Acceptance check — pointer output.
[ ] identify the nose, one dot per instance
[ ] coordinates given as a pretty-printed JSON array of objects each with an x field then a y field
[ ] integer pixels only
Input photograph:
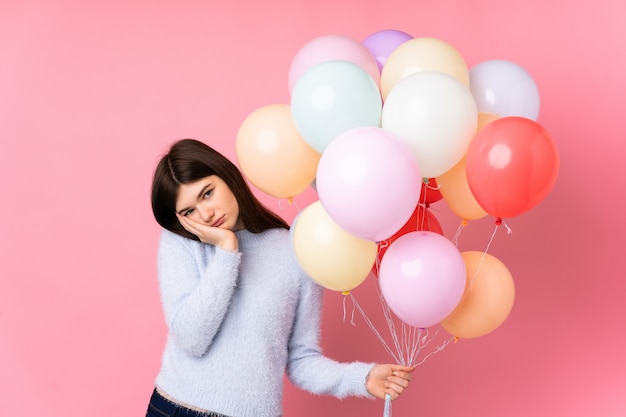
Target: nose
[{"x": 206, "y": 213}]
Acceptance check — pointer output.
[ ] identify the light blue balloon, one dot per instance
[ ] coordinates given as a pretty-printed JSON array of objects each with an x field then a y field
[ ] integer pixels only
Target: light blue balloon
[{"x": 331, "y": 98}]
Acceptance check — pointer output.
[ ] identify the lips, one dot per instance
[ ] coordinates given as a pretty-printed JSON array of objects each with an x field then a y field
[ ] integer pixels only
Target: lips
[{"x": 218, "y": 222}]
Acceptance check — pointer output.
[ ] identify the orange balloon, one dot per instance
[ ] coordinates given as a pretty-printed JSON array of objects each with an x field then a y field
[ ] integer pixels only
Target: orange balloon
[
  {"x": 272, "y": 154},
  {"x": 454, "y": 187},
  {"x": 332, "y": 257},
  {"x": 422, "y": 54},
  {"x": 487, "y": 299}
]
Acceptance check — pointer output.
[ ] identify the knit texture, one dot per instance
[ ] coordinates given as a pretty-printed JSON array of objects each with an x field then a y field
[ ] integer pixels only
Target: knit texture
[{"x": 238, "y": 320}]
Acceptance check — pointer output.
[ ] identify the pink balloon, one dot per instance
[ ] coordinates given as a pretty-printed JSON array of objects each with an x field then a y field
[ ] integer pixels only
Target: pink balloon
[
  {"x": 369, "y": 182},
  {"x": 422, "y": 278},
  {"x": 332, "y": 48},
  {"x": 382, "y": 43}
]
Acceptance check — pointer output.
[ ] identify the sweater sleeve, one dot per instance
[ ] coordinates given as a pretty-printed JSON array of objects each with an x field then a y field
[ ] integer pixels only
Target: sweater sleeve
[
  {"x": 195, "y": 301},
  {"x": 307, "y": 367}
]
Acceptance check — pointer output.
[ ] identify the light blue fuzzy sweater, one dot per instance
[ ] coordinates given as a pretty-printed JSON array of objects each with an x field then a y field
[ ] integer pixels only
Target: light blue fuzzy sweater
[{"x": 237, "y": 321}]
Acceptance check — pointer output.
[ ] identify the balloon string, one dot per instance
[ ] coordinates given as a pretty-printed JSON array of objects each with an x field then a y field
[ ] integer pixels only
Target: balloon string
[
  {"x": 498, "y": 223},
  {"x": 387, "y": 411},
  {"x": 290, "y": 201},
  {"x": 424, "y": 203},
  {"x": 387, "y": 315},
  {"x": 412, "y": 342},
  {"x": 437, "y": 350},
  {"x": 391, "y": 326},
  {"x": 427, "y": 185},
  {"x": 457, "y": 235},
  {"x": 421, "y": 338},
  {"x": 345, "y": 296},
  {"x": 382, "y": 244},
  {"x": 344, "y": 309},
  {"x": 421, "y": 221},
  {"x": 371, "y": 326},
  {"x": 295, "y": 204}
]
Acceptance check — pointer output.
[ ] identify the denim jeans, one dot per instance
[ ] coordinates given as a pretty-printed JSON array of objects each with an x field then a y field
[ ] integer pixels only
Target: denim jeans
[{"x": 162, "y": 407}]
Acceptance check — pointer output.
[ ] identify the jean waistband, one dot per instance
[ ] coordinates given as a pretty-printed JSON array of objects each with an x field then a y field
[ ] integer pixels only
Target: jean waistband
[{"x": 173, "y": 408}]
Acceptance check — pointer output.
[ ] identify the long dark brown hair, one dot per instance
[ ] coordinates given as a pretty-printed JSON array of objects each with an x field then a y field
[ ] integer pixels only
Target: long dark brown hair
[{"x": 189, "y": 160}]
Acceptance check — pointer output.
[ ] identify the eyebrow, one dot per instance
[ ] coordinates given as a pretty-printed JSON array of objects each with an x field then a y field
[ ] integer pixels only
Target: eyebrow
[{"x": 200, "y": 194}]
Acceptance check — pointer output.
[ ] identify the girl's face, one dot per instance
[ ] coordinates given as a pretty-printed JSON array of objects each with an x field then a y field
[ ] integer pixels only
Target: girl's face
[{"x": 209, "y": 201}]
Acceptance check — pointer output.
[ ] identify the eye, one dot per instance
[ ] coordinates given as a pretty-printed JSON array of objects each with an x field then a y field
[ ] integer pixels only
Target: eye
[
  {"x": 187, "y": 212},
  {"x": 208, "y": 193}
]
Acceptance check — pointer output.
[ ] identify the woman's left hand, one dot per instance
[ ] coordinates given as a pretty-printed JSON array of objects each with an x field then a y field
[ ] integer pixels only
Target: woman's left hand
[
  {"x": 224, "y": 238},
  {"x": 389, "y": 379}
]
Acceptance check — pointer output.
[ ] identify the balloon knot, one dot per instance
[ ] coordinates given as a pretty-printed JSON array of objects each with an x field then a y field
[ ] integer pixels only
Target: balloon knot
[
  {"x": 456, "y": 339},
  {"x": 463, "y": 222},
  {"x": 498, "y": 221},
  {"x": 290, "y": 200},
  {"x": 345, "y": 292}
]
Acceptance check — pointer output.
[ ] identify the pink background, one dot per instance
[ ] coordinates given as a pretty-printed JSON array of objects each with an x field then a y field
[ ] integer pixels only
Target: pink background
[{"x": 91, "y": 93}]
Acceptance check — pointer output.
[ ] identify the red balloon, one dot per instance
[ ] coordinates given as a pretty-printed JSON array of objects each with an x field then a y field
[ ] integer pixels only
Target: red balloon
[
  {"x": 512, "y": 165},
  {"x": 430, "y": 194},
  {"x": 421, "y": 219}
]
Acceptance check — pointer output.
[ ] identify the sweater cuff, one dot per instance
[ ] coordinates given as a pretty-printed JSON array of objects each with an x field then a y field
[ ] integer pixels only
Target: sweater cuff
[{"x": 367, "y": 375}]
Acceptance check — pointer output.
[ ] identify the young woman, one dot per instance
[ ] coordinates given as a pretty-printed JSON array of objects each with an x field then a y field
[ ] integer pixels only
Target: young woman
[{"x": 239, "y": 311}]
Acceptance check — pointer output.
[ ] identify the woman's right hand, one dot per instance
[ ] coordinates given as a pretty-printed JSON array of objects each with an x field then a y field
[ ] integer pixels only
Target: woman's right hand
[
  {"x": 222, "y": 238},
  {"x": 388, "y": 379}
]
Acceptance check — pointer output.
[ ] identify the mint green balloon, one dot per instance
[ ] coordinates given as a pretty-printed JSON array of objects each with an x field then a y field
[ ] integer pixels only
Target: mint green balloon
[{"x": 331, "y": 98}]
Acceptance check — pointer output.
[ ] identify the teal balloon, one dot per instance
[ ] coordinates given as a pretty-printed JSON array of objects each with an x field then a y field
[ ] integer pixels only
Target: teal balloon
[{"x": 331, "y": 98}]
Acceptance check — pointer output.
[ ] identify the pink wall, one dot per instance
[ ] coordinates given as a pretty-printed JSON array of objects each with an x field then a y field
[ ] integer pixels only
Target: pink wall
[{"x": 90, "y": 95}]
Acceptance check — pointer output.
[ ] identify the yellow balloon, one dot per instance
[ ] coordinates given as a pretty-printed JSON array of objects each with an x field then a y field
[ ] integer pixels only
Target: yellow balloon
[
  {"x": 487, "y": 299},
  {"x": 272, "y": 154},
  {"x": 422, "y": 54},
  {"x": 454, "y": 187},
  {"x": 332, "y": 257}
]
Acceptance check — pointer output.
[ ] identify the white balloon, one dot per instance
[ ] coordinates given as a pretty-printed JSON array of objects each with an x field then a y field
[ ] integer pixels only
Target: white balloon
[
  {"x": 436, "y": 115},
  {"x": 504, "y": 88}
]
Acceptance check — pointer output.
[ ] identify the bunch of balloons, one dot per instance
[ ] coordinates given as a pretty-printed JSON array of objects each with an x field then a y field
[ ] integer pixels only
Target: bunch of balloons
[{"x": 382, "y": 128}]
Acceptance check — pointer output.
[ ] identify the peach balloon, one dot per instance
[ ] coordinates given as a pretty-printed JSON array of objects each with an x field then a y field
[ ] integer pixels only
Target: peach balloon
[
  {"x": 273, "y": 155},
  {"x": 422, "y": 54},
  {"x": 487, "y": 299},
  {"x": 454, "y": 187},
  {"x": 332, "y": 257}
]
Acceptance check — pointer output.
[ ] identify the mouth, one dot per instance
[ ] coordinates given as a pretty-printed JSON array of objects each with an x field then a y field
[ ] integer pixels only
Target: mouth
[{"x": 218, "y": 222}]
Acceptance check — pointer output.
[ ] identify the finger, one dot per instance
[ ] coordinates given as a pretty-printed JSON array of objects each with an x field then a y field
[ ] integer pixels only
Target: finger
[
  {"x": 188, "y": 224},
  {"x": 398, "y": 388},
  {"x": 393, "y": 392},
  {"x": 399, "y": 381},
  {"x": 404, "y": 375},
  {"x": 390, "y": 392},
  {"x": 402, "y": 368},
  {"x": 185, "y": 226},
  {"x": 186, "y": 221}
]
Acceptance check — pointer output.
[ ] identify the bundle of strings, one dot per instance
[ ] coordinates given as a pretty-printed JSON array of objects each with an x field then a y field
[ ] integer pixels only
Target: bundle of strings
[
  {"x": 387, "y": 412},
  {"x": 408, "y": 342}
]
